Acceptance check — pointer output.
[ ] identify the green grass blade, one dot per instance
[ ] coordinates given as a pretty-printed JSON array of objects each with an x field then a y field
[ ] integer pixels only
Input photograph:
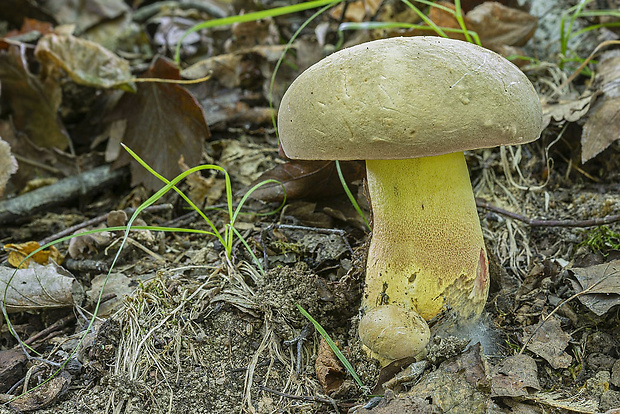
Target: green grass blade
[
  {"x": 334, "y": 348},
  {"x": 350, "y": 195}
]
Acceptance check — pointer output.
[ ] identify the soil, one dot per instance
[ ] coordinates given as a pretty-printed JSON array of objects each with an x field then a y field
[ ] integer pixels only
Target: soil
[{"x": 201, "y": 333}]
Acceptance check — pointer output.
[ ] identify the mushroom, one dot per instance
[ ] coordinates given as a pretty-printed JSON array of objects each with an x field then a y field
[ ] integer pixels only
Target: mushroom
[{"x": 410, "y": 107}]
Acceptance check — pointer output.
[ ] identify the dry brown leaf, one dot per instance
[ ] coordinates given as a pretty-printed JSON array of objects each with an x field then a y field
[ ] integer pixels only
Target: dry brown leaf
[
  {"x": 307, "y": 179},
  {"x": 34, "y": 104},
  {"x": 603, "y": 125},
  {"x": 8, "y": 165},
  {"x": 329, "y": 371},
  {"x": 39, "y": 287},
  {"x": 86, "y": 62},
  {"x": 497, "y": 24},
  {"x": 28, "y": 26},
  {"x": 18, "y": 252},
  {"x": 84, "y": 246},
  {"x": 549, "y": 342},
  {"x": 569, "y": 108},
  {"x": 356, "y": 11},
  {"x": 43, "y": 396},
  {"x": 233, "y": 69},
  {"x": 203, "y": 189},
  {"x": 164, "y": 121},
  {"x": 85, "y": 13},
  {"x": 606, "y": 294},
  {"x": 515, "y": 376},
  {"x": 250, "y": 34}
]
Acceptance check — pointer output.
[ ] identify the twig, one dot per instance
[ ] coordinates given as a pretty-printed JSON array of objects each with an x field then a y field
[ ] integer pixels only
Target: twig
[
  {"x": 60, "y": 323},
  {"x": 312, "y": 398},
  {"x": 100, "y": 219},
  {"x": 299, "y": 341},
  {"x": 564, "y": 302},
  {"x": 549, "y": 223},
  {"x": 63, "y": 191}
]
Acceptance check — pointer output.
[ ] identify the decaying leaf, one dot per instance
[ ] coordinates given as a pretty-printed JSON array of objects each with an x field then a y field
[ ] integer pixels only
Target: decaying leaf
[
  {"x": 497, "y": 25},
  {"x": 232, "y": 69},
  {"x": 456, "y": 382},
  {"x": 85, "y": 13},
  {"x": 569, "y": 108},
  {"x": 329, "y": 371},
  {"x": 18, "y": 252},
  {"x": 39, "y": 287},
  {"x": 549, "y": 341},
  {"x": 31, "y": 30},
  {"x": 34, "y": 104},
  {"x": 606, "y": 294},
  {"x": 203, "y": 189},
  {"x": 308, "y": 179},
  {"x": 356, "y": 11},
  {"x": 515, "y": 376},
  {"x": 81, "y": 247},
  {"x": 603, "y": 125},
  {"x": 8, "y": 164},
  {"x": 246, "y": 35},
  {"x": 86, "y": 62},
  {"x": 117, "y": 285},
  {"x": 45, "y": 395},
  {"x": 164, "y": 121}
]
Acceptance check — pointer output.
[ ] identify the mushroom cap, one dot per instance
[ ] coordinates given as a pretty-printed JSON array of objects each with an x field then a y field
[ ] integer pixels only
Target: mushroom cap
[
  {"x": 392, "y": 332},
  {"x": 407, "y": 97}
]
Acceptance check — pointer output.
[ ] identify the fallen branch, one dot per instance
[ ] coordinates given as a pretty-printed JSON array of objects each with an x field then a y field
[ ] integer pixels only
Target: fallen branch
[
  {"x": 63, "y": 191},
  {"x": 548, "y": 223}
]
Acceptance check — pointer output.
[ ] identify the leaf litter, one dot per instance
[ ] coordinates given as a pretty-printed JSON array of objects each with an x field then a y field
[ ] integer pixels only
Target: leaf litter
[{"x": 188, "y": 332}]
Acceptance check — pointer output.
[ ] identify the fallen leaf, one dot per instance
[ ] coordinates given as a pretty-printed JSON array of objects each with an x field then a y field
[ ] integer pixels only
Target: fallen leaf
[
  {"x": 85, "y": 13},
  {"x": 569, "y": 108},
  {"x": 43, "y": 396},
  {"x": 203, "y": 189},
  {"x": 548, "y": 341},
  {"x": 356, "y": 11},
  {"x": 231, "y": 69},
  {"x": 84, "y": 246},
  {"x": 515, "y": 376},
  {"x": 117, "y": 284},
  {"x": 18, "y": 252},
  {"x": 39, "y": 287},
  {"x": 86, "y": 62},
  {"x": 164, "y": 121},
  {"x": 497, "y": 24},
  {"x": 458, "y": 381},
  {"x": 246, "y": 35},
  {"x": 34, "y": 104},
  {"x": 30, "y": 30},
  {"x": 603, "y": 125},
  {"x": 8, "y": 164},
  {"x": 307, "y": 179},
  {"x": 244, "y": 162},
  {"x": 329, "y": 371},
  {"x": 606, "y": 294}
]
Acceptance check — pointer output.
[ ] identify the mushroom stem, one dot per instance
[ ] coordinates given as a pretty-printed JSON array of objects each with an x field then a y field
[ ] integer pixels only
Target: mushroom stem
[{"x": 427, "y": 251}]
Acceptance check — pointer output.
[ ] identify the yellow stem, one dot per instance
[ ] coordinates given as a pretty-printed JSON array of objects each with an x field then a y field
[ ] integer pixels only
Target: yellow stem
[{"x": 427, "y": 252}]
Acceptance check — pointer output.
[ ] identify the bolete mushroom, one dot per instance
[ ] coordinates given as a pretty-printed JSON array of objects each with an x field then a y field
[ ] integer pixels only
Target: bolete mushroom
[{"x": 410, "y": 107}]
